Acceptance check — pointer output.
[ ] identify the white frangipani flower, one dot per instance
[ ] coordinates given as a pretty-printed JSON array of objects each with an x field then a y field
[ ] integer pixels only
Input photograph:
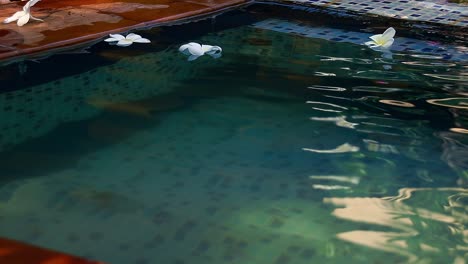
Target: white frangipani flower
[
  {"x": 23, "y": 16},
  {"x": 126, "y": 41},
  {"x": 195, "y": 50},
  {"x": 384, "y": 40}
]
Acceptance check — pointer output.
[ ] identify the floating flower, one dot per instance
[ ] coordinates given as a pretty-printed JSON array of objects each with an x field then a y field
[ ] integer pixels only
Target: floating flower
[
  {"x": 384, "y": 40},
  {"x": 195, "y": 50},
  {"x": 126, "y": 41},
  {"x": 23, "y": 16}
]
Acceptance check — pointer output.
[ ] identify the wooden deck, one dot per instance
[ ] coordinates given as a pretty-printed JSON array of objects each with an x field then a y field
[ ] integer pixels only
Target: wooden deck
[
  {"x": 14, "y": 252},
  {"x": 71, "y": 22}
]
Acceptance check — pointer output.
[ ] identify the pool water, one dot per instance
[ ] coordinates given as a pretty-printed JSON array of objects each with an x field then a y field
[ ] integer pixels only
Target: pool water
[{"x": 299, "y": 145}]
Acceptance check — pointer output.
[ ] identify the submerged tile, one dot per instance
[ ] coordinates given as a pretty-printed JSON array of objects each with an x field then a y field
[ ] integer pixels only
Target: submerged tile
[{"x": 415, "y": 10}]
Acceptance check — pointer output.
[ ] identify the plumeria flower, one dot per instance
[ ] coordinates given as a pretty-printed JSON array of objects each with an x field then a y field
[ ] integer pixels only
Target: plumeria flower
[
  {"x": 384, "y": 40},
  {"x": 23, "y": 16},
  {"x": 195, "y": 50},
  {"x": 126, "y": 41}
]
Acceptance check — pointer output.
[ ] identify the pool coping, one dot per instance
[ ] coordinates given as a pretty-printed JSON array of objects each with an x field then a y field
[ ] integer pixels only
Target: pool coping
[
  {"x": 88, "y": 39},
  {"x": 16, "y": 252}
]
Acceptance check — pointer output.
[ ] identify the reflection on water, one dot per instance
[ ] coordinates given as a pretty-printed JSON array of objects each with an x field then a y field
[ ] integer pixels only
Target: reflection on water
[
  {"x": 340, "y": 149},
  {"x": 459, "y": 130},
  {"x": 288, "y": 149},
  {"x": 411, "y": 225},
  {"x": 397, "y": 103},
  {"x": 460, "y": 102},
  {"x": 339, "y": 121}
]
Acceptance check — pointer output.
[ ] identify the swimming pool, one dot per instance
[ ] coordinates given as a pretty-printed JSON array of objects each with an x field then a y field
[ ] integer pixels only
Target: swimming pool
[{"x": 299, "y": 145}]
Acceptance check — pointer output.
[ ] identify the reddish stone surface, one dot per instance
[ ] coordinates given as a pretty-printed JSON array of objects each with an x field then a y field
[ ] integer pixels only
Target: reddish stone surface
[
  {"x": 14, "y": 252},
  {"x": 72, "y": 22}
]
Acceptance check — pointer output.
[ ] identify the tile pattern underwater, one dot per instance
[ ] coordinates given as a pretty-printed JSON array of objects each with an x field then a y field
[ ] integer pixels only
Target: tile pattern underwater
[
  {"x": 417, "y": 10},
  {"x": 420, "y": 47},
  {"x": 293, "y": 147}
]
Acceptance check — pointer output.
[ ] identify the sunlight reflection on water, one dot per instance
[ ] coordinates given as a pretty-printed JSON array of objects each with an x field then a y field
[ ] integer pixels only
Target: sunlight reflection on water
[{"x": 408, "y": 221}]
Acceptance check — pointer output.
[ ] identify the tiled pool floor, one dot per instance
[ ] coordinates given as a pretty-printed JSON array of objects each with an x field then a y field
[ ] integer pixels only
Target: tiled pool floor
[
  {"x": 201, "y": 185},
  {"x": 129, "y": 204}
]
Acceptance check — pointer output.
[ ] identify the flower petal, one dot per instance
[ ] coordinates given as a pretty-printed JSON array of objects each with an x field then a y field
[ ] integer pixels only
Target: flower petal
[
  {"x": 184, "y": 49},
  {"x": 29, "y": 4},
  {"x": 195, "y": 49},
  {"x": 206, "y": 48},
  {"x": 376, "y": 38},
  {"x": 388, "y": 34},
  {"x": 133, "y": 37},
  {"x": 35, "y": 18},
  {"x": 142, "y": 40},
  {"x": 117, "y": 36},
  {"x": 23, "y": 20},
  {"x": 124, "y": 43},
  {"x": 372, "y": 44},
  {"x": 214, "y": 50},
  {"x": 14, "y": 17},
  {"x": 111, "y": 39},
  {"x": 388, "y": 43}
]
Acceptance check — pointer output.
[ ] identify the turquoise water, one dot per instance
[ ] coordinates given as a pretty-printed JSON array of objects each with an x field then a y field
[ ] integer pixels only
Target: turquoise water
[{"x": 298, "y": 145}]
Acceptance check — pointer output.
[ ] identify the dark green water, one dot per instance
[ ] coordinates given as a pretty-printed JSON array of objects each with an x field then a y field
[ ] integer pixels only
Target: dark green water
[{"x": 287, "y": 149}]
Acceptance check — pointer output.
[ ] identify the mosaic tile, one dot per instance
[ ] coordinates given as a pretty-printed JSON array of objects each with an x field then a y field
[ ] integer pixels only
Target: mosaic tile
[
  {"x": 446, "y": 13},
  {"x": 456, "y": 53},
  {"x": 59, "y": 101}
]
